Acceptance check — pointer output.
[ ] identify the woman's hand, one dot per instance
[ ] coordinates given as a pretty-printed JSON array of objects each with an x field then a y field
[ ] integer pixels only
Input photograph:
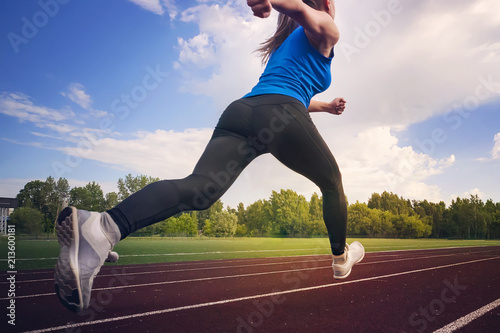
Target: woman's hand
[
  {"x": 260, "y": 8},
  {"x": 337, "y": 106}
]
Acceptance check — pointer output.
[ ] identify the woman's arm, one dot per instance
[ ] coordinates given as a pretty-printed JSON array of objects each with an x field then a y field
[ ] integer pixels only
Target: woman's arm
[
  {"x": 337, "y": 106},
  {"x": 319, "y": 25}
]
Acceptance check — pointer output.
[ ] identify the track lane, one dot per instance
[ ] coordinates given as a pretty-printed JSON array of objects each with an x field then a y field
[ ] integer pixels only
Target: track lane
[
  {"x": 155, "y": 273},
  {"x": 150, "y": 298},
  {"x": 121, "y": 274},
  {"x": 378, "y": 305}
]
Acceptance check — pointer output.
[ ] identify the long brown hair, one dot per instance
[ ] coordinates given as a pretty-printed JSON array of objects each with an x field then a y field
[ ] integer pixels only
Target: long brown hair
[{"x": 285, "y": 27}]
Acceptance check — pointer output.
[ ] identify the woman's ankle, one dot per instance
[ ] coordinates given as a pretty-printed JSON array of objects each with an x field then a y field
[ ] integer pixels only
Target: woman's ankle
[{"x": 110, "y": 229}]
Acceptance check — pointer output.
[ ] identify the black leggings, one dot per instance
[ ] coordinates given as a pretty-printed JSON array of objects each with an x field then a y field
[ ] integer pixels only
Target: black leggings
[{"x": 249, "y": 127}]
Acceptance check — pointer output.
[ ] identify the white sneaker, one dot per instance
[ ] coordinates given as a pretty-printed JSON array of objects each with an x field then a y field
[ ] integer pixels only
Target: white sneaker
[
  {"x": 84, "y": 247},
  {"x": 112, "y": 256},
  {"x": 353, "y": 254}
]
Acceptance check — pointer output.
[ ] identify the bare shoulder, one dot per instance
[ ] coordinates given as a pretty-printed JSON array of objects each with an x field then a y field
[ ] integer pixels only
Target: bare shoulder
[
  {"x": 324, "y": 35},
  {"x": 319, "y": 26}
]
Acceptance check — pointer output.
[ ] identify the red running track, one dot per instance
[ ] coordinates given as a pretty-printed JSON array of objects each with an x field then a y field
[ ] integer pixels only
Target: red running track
[{"x": 400, "y": 291}]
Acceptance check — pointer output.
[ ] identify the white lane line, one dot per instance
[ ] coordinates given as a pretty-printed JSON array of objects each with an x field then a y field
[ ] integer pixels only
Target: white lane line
[
  {"x": 183, "y": 281},
  {"x": 239, "y": 299},
  {"x": 128, "y": 273},
  {"x": 259, "y": 251},
  {"x": 375, "y": 253},
  {"x": 461, "y": 322},
  {"x": 178, "y": 270},
  {"x": 213, "y": 277},
  {"x": 185, "y": 253},
  {"x": 180, "y": 264}
]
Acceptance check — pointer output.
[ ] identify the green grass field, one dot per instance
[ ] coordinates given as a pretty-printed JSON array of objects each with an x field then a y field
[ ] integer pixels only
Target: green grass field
[{"x": 43, "y": 253}]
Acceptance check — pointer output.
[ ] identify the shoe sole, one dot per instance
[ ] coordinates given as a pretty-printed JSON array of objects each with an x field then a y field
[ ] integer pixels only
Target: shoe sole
[
  {"x": 67, "y": 274},
  {"x": 349, "y": 272}
]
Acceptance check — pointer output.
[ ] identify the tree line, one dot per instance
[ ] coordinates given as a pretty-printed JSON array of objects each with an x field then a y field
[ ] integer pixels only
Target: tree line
[{"x": 284, "y": 214}]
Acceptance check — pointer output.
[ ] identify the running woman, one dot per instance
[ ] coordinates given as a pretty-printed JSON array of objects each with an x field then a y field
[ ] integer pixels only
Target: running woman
[{"x": 273, "y": 118}]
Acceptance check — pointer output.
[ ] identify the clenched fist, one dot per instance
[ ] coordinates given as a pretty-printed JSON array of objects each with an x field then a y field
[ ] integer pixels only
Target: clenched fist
[{"x": 260, "y": 8}]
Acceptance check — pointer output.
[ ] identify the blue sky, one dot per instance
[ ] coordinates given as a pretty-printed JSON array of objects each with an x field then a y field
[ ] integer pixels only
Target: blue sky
[{"x": 94, "y": 90}]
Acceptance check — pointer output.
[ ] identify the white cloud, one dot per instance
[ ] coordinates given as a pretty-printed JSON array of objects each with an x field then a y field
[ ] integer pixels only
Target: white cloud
[
  {"x": 61, "y": 125},
  {"x": 10, "y": 187},
  {"x": 158, "y": 6},
  {"x": 153, "y": 6},
  {"x": 21, "y": 107},
  {"x": 32, "y": 144},
  {"x": 495, "y": 152},
  {"x": 98, "y": 113},
  {"x": 488, "y": 52},
  {"x": 164, "y": 154},
  {"x": 467, "y": 194},
  {"x": 106, "y": 187},
  {"x": 197, "y": 50},
  {"x": 171, "y": 8},
  {"x": 425, "y": 60},
  {"x": 229, "y": 36},
  {"x": 374, "y": 162},
  {"x": 78, "y": 95}
]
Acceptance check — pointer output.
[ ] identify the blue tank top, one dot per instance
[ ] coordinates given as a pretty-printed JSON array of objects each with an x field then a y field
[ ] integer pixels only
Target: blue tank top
[{"x": 295, "y": 69}]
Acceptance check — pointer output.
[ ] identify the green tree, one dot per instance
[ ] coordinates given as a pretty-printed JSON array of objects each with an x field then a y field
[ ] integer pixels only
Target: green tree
[
  {"x": 241, "y": 213},
  {"x": 183, "y": 225},
  {"x": 224, "y": 224},
  {"x": 495, "y": 222},
  {"x": 316, "y": 222},
  {"x": 48, "y": 197},
  {"x": 290, "y": 213},
  {"x": 407, "y": 226},
  {"x": 315, "y": 208},
  {"x": 358, "y": 219},
  {"x": 375, "y": 201},
  {"x": 78, "y": 197},
  {"x": 386, "y": 227},
  {"x": 241, "y": 230},
  {"x": 169, "y": 227},
  {"x": 477, "y": 222},
  {"x": 209, "y": 213},
  {"x": 258, "y": 219},
  {"x": 111, "y": 200},
  {"x": 28, "y": 219},
  {"x": 438, "y": 219},
  {"x": 466, "y": 217},
  {"x": 432, "y": 214},
  {"x": 34, "y": 194},
  {"x": 132, "y": 184},
  {"x": 207, "y": 228},
  {"x": 90, "y": 197},
  {"x": 58, "y": 199},
  {"x": 492, "y": 219},
  {"x": 150, "y": 230},
  {"x": 390, "y": 202},
  {"x": 188, "y": 225}
]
